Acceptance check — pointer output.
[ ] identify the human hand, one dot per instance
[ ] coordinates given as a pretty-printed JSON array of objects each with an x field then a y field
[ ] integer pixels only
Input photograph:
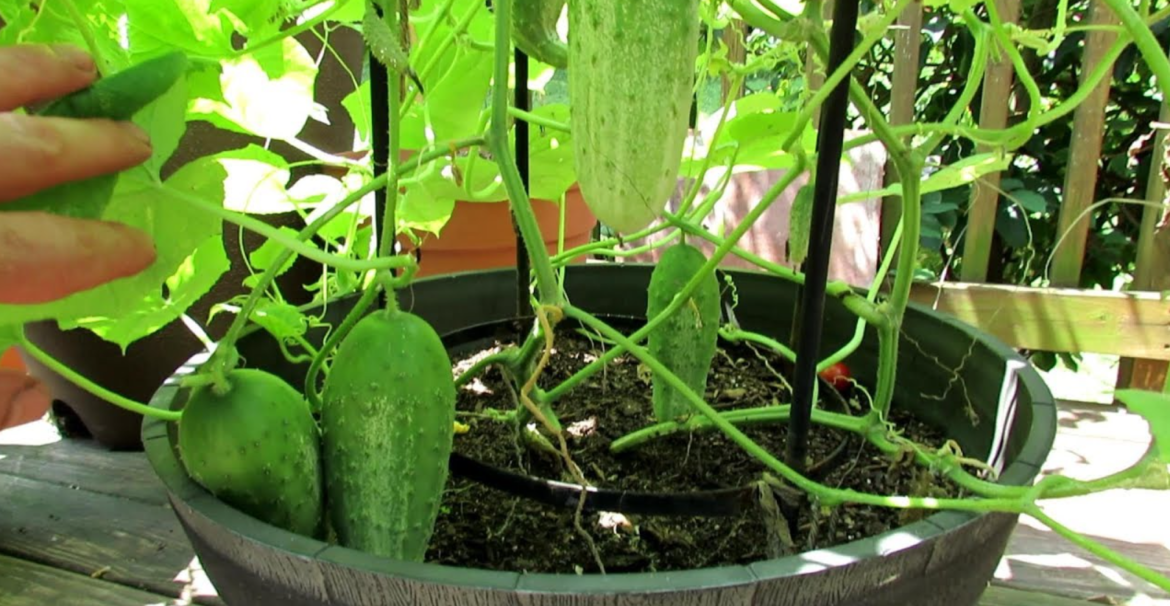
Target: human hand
[{"x": 44, "y": 257}]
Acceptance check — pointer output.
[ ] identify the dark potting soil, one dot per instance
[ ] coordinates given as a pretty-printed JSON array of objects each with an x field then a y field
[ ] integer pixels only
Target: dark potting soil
[{"x": 482, "y": 527}]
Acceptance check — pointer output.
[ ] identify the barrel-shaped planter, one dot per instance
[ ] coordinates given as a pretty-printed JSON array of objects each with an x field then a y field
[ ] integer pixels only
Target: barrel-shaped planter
[{"x": 946, "y": 558}]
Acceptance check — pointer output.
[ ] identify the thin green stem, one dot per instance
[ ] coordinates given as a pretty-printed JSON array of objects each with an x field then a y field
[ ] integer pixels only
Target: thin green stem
[
  {"x": 389, "y": 225},
  {"x": 335, "y": 337},
  {"x": 538, "y": 120},
  {"x": 97, "y": 390},
  {"x": 460, "y": 27},
  {"x": 86, "y": 32},
  {"x": 1099, "y": 550},
  {"x": 1147, "y": 44},
  {"x": 746, "y": 416},
  {"x": 293, "y": 31},
  {"x": 546, "y": 281}
]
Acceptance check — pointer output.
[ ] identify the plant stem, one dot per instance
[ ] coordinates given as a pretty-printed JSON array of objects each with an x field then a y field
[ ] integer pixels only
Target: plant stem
[
  {"x": 86, "y": 32},
  {"x": 538, "y": 120},
  {"x": 389, "y": 224},
  {"x": 311, "y": 229},
  {"x": 746, "y": 416},
  {"x": 293, "y": 31},
  {"x": 546, "y": 281},
  {"x": 276, "y": 235},
  {"x": 97, "y": 390},
  {"x": 336, "y": 337},
  {"x": 1100, "y": 550},
  {"x": 1147, "y": 44}
]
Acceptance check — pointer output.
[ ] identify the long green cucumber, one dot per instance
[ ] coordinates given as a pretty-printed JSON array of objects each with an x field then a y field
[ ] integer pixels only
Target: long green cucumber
[
  {"x": 686, "y": 342},
  {"x": 534, "y": 28},
  {"x": 387, "y": 417},
  {"x": 256, "y": 447},
  {"x": 633, "y": 66}
]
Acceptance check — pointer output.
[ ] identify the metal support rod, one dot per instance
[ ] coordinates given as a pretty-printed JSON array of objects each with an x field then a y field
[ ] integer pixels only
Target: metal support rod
[
  {"x": 379, "y": 136},
  {"x": 522, "y": 103},
  {"x": 812, "y": 304}
]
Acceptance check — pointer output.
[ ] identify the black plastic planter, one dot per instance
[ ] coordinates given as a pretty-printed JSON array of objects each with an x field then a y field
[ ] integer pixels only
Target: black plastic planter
[{"x": 946, "y": 558}]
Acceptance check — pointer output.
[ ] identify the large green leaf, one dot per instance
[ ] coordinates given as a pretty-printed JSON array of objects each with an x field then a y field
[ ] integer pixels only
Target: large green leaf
[
  {"x": 268, "y": 93},
  {"x": 1154, "y": 407},
  {"x": 177, "y": 229},
  {"x": 454, "y": 103},
  {"x": 189, "y": 25}
]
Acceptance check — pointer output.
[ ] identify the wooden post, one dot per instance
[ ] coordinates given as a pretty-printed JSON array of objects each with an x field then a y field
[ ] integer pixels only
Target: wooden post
[
  {"x": 1080, "y": 182},
  {"x": 1153, "y": 262},
  {"x": 733, "y": 37},
  {"x": 984, "y": 202},
  {"x": 907, "y": 42}
]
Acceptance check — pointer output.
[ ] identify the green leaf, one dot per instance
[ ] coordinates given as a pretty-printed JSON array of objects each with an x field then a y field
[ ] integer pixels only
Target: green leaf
[
  {"x": 753, "y": 127},
  {"x": 165, "y": 120},
  {"x": 456, "y": 101},
  {"x": 189, "y": 25},
  {"x": 1030, "y": 200},
  {"x": 1009, "y": 224},
  {"x": 268, "y": 93},
  {"x": 256, "y": 180},
  {"x": 421, "y": 210},
  {"x": 357, "y": 105},
  {"x": 265, "y": 255},
  {"x": 1154, "y": 407},
  {"x": 177, "y": 230},
  {"x": 194, "y": 278},
  {"x": 280, "y": 319}
]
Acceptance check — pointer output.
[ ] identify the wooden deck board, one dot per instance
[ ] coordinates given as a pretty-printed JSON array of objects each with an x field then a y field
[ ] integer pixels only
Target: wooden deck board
[
  {"x": 24, "y": 583},
  {"x": 133, "y": 543},
  {"x": 81, "y": 464}
]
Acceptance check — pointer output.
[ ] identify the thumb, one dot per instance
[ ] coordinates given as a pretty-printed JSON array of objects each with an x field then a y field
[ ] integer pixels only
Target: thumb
[{"x": 23, "y": 399}]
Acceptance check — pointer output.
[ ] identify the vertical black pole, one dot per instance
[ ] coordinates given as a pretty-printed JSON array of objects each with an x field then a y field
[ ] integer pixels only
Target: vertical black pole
[
  {"x": 521, "y": 101},
  {"x": 812, "y": 305},
  {"x": 379, "y": 135}
]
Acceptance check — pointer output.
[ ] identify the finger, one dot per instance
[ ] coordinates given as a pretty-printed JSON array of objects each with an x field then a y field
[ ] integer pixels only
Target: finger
[
  {"x": 23, "y": 399},
  {"x": 45, "y": 257},
  {"x": 36, "y": 72},
  {"x": 38, "y": 152}
]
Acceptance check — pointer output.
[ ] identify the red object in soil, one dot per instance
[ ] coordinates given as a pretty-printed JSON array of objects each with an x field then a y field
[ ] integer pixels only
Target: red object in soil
[{"x": 837, "y": 375}]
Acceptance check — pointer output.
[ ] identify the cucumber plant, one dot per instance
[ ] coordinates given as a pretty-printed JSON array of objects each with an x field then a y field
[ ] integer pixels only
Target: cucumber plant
[{"x": 382, "y": 420}]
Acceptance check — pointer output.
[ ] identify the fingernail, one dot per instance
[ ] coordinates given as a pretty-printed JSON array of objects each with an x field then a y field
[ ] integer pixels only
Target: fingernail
[
  {"x": 135, "y": 131},
  {"x": 75, "y": 56}
]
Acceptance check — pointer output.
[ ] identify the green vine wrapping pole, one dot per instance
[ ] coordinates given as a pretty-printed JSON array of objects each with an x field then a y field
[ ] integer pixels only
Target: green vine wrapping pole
[{"x": 546, "y": 282}]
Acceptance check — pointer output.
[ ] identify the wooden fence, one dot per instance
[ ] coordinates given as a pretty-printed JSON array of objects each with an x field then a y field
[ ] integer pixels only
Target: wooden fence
[{"x": 1134, "y": 324}]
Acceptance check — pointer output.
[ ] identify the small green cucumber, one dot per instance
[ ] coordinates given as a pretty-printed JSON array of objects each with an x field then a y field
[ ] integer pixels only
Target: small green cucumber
[
  {"x": 387, "y": 417},
  {"x": 799, "y": 224},
  {"x": 118, "y": 97},
  {"x": 257, "y": 448},
  {"x": 386, "y": 47},
  {"x": 686, "y": 341},
  {"x": 534, "y": 28},
  {"x": 122, "y": 94}
]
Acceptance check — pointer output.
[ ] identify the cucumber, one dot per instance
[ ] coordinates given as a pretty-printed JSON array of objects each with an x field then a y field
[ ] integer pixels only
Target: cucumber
[
  {"x": 387, "y": 417},
  {"x": 257, "y": 448},
  {"x": 534, "y": 29},
  {"x": 685, "y": 342},
  {"x": 121, "y": 95},
  {"x": 630, "y": 84},
  {"x": 799, "y": 224},
  {"x": 118, "y": 97}
]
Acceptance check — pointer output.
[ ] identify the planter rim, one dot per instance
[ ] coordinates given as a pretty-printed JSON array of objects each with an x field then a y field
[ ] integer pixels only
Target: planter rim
[{"x": 183, "y": 490}]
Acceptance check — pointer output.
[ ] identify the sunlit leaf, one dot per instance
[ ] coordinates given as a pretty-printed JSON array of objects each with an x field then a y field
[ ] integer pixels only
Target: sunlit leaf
[
  {"x": 256, "y": 180},
  {"x": 1154, "y": 407}
]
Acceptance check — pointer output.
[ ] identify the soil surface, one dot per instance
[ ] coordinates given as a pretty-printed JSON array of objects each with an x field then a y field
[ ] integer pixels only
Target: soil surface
[{"x": 482, "y": 527}]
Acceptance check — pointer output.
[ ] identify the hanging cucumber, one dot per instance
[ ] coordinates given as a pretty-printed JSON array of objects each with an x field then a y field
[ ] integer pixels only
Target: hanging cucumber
[
  {"x": 534, "y": 28},
  {"x": 633, "y": 66},
  {"x": 686, "y": 341},
  {"x": 388, "y": 414},
  {"x": 257, "y": 448},
  {"x": 118, "y": 97},
  {"x": 385, "y": 45}
]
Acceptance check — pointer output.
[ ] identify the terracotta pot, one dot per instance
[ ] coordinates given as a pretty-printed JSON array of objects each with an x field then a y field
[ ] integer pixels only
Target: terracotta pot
[
  {"x": 10, "y": 359},
  {"x": 479, "y": 235}
]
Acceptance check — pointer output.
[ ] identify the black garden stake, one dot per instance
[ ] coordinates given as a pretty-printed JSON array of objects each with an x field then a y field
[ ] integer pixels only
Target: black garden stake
[
  {"x": 522, "y": 103},
  {"x": 812, "y": 302}
]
